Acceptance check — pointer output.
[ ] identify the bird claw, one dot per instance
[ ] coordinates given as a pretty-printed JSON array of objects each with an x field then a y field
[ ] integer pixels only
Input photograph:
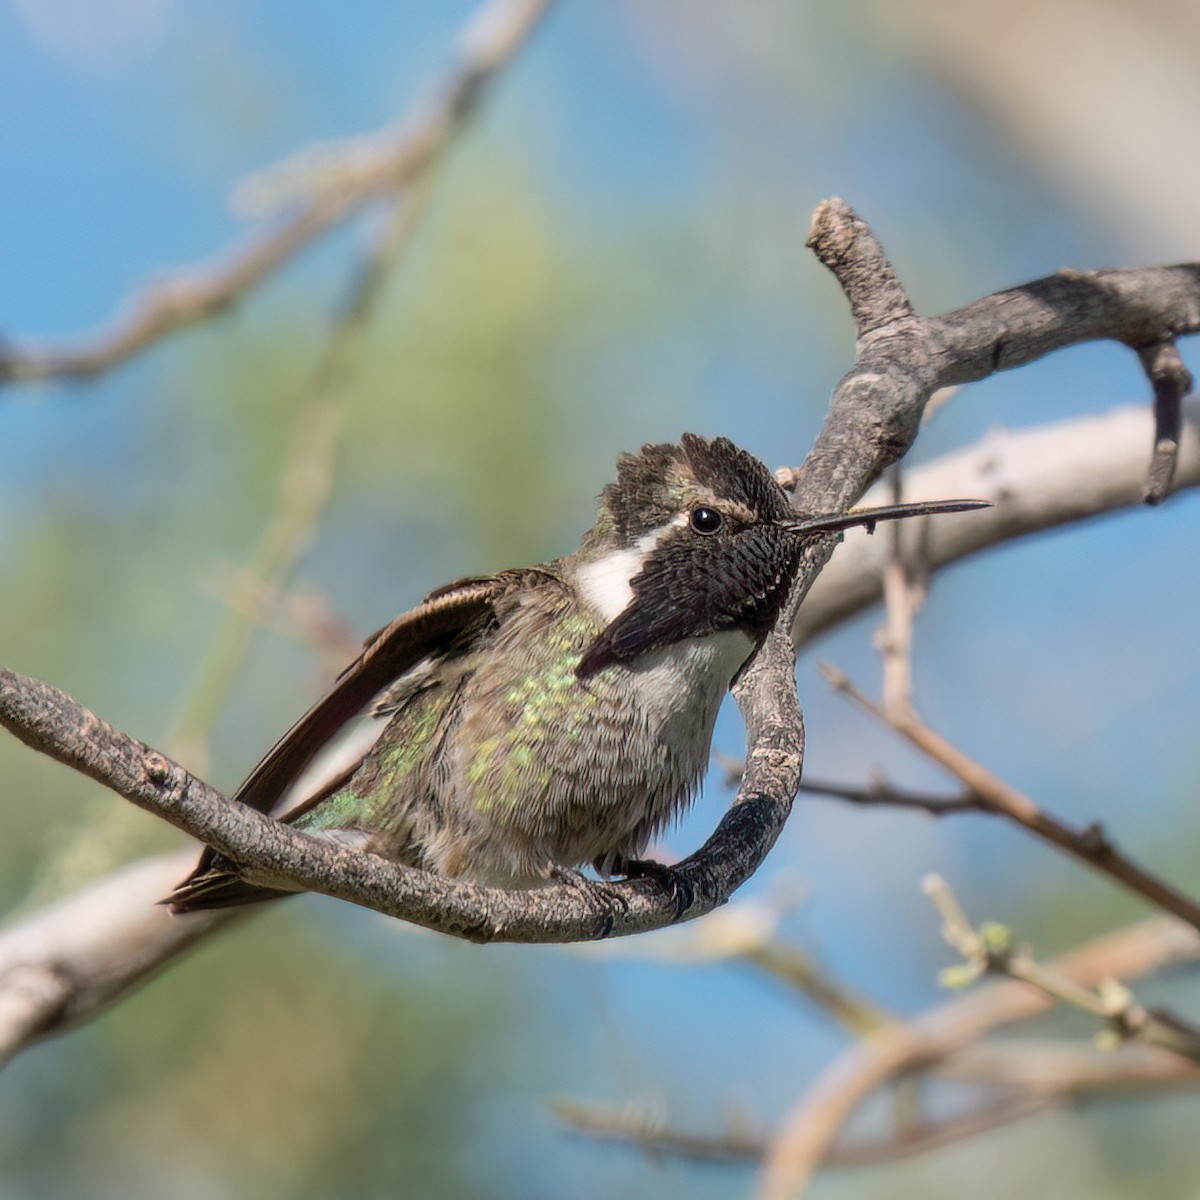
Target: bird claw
[
  {"x": 672, "y": 881},
  {"x": 612, "y": 904}
]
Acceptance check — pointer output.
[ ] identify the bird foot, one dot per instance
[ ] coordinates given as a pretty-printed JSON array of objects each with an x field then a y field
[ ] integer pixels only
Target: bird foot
[
  {"x": 672, "y": 881},
  {"x": 611, "y": 903}
]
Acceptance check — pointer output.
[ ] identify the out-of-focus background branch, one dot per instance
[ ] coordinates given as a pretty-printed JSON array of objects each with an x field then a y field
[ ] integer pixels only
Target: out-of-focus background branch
[
  {"x": 614, "y": 255},
  {"x": 317, "y": 192}
]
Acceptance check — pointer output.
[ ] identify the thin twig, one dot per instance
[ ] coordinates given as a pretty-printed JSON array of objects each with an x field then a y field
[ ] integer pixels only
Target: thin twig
[
  {"x": 1036, "y": 1076},
  {"x": 649, "y": 1132},
  {"x": 808, "y": 1133},
  {"x": 1091, "y": 845},
  {"x": 790, "y": 964},
  {"x": 1171, "y": 381},
  {"x": 747, "y": 931},
  {"x": 307, "y": 481},
  {"x": 904, "y": 590},
  {"x": 1048, "y": 1065},
  {"x": 844, "y": 243},
  {"x": 367, "y": 169},
  {"x": 304, "y": 615},
  {"x": 991, "y": 948},
  {"x": 881, "y": 792}
]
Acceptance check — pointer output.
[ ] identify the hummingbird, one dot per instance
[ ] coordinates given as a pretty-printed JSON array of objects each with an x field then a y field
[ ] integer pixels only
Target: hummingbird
[{"x": 515, "y": 727}]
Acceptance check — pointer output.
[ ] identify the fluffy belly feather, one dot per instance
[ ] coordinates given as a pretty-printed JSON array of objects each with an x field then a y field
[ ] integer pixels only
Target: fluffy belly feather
[{"x": 594, "y": 775}]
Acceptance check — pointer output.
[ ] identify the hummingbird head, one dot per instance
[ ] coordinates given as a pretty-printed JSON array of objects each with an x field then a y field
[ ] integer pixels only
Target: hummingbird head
[{"x": 695, "y": 539}]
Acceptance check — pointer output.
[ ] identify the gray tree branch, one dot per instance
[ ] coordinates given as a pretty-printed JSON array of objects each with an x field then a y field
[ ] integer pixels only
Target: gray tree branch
[
  {"x": 875, "y": 414},
  {"x": 272, "y": 853},
  {"x": 66, "y": 962}
]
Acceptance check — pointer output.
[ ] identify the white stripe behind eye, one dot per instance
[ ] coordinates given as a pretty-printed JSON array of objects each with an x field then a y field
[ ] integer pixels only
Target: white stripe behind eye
[{"x": 605, "y": 583}]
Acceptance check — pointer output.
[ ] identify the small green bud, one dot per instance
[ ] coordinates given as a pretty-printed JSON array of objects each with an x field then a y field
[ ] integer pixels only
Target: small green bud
[
  {"x": 958, "y": 977},
  {"x": 997, "y": 939}
]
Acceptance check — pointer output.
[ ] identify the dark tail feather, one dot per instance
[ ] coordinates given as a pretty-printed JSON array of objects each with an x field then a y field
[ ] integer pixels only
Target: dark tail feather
[{"x": 218, "y": 889}]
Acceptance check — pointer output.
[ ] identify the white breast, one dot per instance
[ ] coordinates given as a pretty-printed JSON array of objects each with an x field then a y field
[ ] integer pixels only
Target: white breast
[{"x": 684, "y": 683}]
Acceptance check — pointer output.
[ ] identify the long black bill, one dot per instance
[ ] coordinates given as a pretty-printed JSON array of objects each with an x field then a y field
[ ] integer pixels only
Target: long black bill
[{"x": 831, "y": 522}]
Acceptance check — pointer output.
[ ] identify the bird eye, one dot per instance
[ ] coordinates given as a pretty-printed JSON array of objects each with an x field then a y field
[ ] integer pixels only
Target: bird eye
[{"x": 706, "y": 520}]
